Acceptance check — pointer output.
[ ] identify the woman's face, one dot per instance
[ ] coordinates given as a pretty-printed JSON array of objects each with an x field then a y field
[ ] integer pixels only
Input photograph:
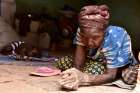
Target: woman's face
[{"x": 93, "y": 39}]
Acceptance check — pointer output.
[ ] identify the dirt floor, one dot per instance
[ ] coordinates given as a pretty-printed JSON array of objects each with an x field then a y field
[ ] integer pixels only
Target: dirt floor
[{"x": 15, "y": 78}]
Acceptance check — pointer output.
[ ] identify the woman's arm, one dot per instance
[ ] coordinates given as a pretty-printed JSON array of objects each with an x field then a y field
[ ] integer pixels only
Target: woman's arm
[
  {"x": 107, "y": 77},
  {"x": 73, "y": 78},
  {"x": 80, "y": 55}
]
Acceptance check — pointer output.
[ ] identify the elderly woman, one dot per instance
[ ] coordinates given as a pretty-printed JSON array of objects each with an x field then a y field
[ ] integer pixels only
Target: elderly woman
[{"x": 103, "y": 53}]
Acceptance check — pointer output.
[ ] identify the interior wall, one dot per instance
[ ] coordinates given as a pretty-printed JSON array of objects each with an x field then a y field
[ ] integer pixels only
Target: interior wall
[{"x": 50, "y": 6}]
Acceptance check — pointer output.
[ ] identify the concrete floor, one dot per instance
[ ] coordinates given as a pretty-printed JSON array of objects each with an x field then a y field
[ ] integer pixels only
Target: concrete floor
[{"x": 15, "y": 78}]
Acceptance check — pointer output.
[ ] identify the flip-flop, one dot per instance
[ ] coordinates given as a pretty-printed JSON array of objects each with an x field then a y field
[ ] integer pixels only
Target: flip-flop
[{"x": 45, "y": 72}]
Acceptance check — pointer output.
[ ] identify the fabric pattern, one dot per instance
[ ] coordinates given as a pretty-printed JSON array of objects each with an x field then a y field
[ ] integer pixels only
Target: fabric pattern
[
  {"x": 64, "y": 63},
  {"x": 94, "y": 17},
  {"x": 94, "y": 65},
  {"x": 11, "y": 48}
]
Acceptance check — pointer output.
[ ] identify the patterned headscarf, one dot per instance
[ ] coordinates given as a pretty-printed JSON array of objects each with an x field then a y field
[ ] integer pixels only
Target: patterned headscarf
[{"x": 94, "y": 16}]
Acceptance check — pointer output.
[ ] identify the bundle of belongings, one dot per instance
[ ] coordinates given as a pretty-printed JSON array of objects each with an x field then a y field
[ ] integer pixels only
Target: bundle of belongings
[{"x": 20, "y": 50}]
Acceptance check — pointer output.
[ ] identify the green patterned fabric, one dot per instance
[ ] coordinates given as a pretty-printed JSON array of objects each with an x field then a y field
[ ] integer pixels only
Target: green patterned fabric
[
  {"x": 95, "y": 65},
  {"x": 65, "y": 63}
]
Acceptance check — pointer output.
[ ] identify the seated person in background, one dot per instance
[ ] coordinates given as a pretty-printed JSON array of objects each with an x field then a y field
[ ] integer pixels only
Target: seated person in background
[
  {"x": 20, "y": 50},
  {"x": 103, "y": 53},
  {"x": 49, "y": 25}
]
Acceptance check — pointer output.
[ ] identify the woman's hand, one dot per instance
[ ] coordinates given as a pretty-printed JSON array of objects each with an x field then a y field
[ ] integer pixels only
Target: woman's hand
[{"x": 72, "y": 78}]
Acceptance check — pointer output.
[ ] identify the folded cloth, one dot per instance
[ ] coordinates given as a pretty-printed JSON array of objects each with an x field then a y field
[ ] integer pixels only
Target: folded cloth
[
  {"x": 45, "y": 72},
  {"x": 121, "y": 84}
]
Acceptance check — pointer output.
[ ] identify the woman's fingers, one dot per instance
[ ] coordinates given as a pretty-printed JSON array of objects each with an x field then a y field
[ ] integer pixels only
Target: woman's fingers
[
  {"x": 67, "y": 80},
  {"x": 67, "y": 73},
  {"x": 72, "y": 85},
  {"x": 68, "y": 86},
  {"x": 70, "y": 79},
  {"x": 65, "y": 76}
]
